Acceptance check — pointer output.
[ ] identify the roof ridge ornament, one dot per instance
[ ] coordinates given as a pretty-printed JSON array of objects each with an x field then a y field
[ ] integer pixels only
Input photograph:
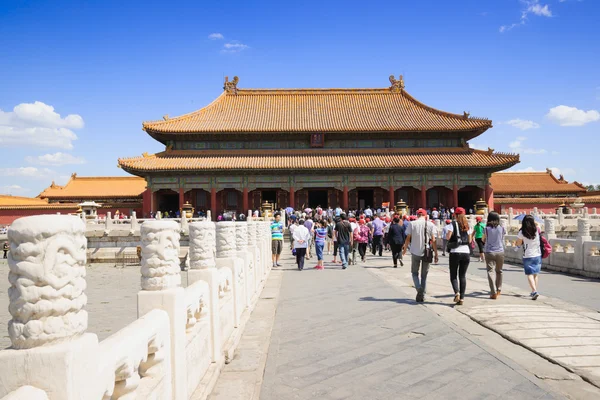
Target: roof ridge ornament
[
  {"x": 397, "y": 84},
  {"x": 231, "y": 86},
  {"x": 466, "y": 114},
  {"x": 166, "y": 117}
]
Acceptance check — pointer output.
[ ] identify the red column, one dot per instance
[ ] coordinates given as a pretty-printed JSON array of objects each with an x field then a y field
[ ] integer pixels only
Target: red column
[
  {"x": 423, "y": 196},
  {"x": 345, "y": 199},
  {"x": 213, "y": 203},
  {"x": 489, "y": 197},
  {"x": 245, "y": 200},
  {"x": 292, "y": 197},
  {"x": 181, "y": 197},
  {"x": 391, "y": 198},
  {"x": 146, "y": 203},
  {"x": 455, "y": 195}
]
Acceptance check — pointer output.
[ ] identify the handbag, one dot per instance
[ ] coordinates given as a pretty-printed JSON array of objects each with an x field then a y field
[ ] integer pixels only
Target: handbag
[{"x": 428, "y": 252}]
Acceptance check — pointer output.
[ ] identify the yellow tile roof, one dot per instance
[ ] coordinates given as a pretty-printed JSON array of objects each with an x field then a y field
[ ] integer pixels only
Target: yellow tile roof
[
  {"x": 317, "y": 110},
  {"x": 533, "y": 183},
  {"x": 8, "y": 202},
  {"x": 97, "y": 187},
  {"x": 319, "y": 159}
]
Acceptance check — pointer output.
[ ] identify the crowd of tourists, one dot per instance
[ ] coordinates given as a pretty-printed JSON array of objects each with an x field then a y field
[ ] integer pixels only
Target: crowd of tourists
[{"x": 352, "y": 236}]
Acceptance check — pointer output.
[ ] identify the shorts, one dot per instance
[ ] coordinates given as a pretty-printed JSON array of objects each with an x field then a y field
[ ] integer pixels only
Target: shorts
[
  {"x": 480, "y": 244},
  {"x": 276, "y": 246},
  {"x": 532, "y": 265}
]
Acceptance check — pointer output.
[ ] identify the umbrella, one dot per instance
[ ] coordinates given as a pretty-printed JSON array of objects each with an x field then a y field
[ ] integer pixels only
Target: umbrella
[
  {"x": 307, "y": 210},
  {"x": 521, "y": 216},
  {"x": 289, "y": 210}
]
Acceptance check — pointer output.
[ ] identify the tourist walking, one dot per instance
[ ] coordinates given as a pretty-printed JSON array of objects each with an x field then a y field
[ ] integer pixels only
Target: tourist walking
[
  {"x": 291, "y": 229},
  {"x": 344, "y": 239},
  {"x": 276, "y": 239},
  {"x": 5, "y": 248},
  {"x": 377, "y": 233},
  {"x": 396, "y": 238},
  {"x": 309, "y": 224},
  {"x": 444, "y": 235},
  {"x": 460, "y": 236},
  {"x": 354, "y": 247},
  {"x": 420, "y": 236},
  {"x": 361, "y": 235},
  {"x": 529, "y": 237},
  {"x": 478, "y": 229},
  {"x": 320, "y": 238},
  {"x": 301, "y": 237},
  {"x": 493, "y": 238}
]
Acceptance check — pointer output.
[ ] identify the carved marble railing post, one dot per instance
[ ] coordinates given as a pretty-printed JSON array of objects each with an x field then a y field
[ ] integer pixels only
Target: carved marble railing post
[
  {"x": 511, "y": 216},
  {"x": 560, "y": 216},
  {"x": 256, "y": 252},
  {"x": 107, "y": 223},
  {"x": 134, "y": 223},
  {"x": 583, "y": 235},
  {"x": 50, "y": 349},
  {"x": 231, "y": 266},
  {"x": 594, "y": 211},
  {"x": 550, "y": 228},
  {"x": 161, "y": 289},
  {"x": 203, "y": 266},
  {"x": 241, "y": 243},
  {"x": 585, "y": 212}
]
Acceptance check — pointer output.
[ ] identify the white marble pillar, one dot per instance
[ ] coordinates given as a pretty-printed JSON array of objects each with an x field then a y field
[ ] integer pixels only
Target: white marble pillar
[
  {"x": 203, "y": 266},
  {"x": 583, "y": 235},
  {"x": 550, "y": 228},
  {"x": 161, "y": 289},
  {"x": 50, "y": 349},
  {"x": 241, "y": 244}
]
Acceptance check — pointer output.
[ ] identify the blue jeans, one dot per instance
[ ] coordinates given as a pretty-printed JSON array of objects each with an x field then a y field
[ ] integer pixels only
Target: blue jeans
[
  {"x": 344, "y": 253},
  {"x": 319, "y": 250}
]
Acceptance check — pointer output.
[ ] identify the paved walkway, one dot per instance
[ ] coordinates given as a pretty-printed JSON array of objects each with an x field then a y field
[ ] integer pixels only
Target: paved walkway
[{"x": 349, "y": 335}]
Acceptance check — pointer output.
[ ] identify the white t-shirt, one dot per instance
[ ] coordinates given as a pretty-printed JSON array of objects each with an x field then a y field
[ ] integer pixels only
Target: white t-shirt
[
  {"x": 417, "y": 231},
  {"x": 531, "y": 246},
  {"x": 464, "y": 249},
  {"x": 435, "y": 214}
]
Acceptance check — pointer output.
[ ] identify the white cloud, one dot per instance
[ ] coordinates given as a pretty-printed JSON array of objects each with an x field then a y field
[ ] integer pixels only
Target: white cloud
[
  {"x": 234, "y": 47},
  {"x": 571, "y": 116},
  {"x": 518, "y": 147},
  {"x": 55, "y": 159},
  {"x": 216, "y": 36},
  {"x": 538, "y": 9},
  {"x": 27, "y": 172},
  {"x": 530, "y": 7},
  {"x": 13, "y": 190},
  {"x": 523, "y": 124},
  {"x": 37, "y": 124}
]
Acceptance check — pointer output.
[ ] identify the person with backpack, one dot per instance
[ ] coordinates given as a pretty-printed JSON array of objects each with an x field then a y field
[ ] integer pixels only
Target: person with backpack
[
  {"x": 320, "y": 235},
  {"x": 396, "y": 238},
  {"x": 344, "y": 238},
  {"x": 301, "y": 239},
  {"x": 420, "y": 236},
  {"x": 460, "y": 237},
  {"x": 529, "y": 236},
  {"x": 493, "y": 237}
]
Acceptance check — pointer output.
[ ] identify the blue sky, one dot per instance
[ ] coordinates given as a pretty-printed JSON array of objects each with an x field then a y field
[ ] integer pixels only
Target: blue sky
[{"x": 79, "y": 77}]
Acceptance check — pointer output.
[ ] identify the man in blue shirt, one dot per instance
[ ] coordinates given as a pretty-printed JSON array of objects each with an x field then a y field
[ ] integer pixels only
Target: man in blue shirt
[{"x": 276, "y": 239}]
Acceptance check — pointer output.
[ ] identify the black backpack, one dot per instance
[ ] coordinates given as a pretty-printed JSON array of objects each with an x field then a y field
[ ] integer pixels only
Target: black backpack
[{"x": 457, "y": 240}]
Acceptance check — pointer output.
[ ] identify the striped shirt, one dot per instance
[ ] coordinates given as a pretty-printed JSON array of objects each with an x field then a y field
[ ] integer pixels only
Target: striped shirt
[
  {"x": 320, "y": 235},
  {"x": 276, "y": 230}
]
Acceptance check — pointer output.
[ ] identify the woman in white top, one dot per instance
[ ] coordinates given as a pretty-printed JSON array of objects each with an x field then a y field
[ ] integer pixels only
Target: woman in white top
[
  {"x": 301, "y": 237},
  {"x": 459, "y": 254},
  {"x": 529, "y": 237}
]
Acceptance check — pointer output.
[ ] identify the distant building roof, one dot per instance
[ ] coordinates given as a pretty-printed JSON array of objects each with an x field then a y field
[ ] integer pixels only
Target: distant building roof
[
  {"x": 8, "y": 202},
  {"x": 97, "y": 187},
  {"x": 529, "y": 183},
  {"x": 319, "y": 159},
  {"x": 317, "y": 110}
]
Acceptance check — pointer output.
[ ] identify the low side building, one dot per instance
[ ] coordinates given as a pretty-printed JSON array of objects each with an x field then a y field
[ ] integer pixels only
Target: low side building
[{"x": 525, "y": 190}]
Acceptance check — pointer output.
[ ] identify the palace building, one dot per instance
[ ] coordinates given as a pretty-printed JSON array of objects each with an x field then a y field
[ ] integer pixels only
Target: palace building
[{"x": 307, "y": 147}]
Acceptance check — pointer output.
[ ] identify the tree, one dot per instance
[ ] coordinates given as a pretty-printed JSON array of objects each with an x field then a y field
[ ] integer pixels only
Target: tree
[{"x": 591, "y": 188}]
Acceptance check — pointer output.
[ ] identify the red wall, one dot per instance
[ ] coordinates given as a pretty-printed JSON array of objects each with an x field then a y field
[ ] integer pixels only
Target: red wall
[{"x": 8, "y": 216}]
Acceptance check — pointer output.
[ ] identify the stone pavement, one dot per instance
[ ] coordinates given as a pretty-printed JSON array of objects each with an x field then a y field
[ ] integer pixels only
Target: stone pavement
[{"x": 349, "y": 335}]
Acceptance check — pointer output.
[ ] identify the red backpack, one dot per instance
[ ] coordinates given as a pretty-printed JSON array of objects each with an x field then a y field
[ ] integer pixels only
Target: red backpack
[{"x": 545, "y": 246}]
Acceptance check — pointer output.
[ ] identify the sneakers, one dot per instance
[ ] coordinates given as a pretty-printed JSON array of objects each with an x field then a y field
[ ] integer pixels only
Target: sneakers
[
  {"x": 395, "y": 265},
  {"x": 344, "y": 266},
  {"x": 401, "y": 263},
  {"x": 534, "y": 295}
]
